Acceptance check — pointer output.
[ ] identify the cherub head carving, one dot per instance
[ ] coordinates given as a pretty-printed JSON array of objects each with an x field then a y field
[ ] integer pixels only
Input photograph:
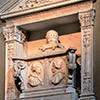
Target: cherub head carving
[{"x": 52, "y": 37}]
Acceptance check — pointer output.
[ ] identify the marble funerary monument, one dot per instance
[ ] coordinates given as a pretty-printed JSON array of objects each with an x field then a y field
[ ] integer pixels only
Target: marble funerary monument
[{"x": 57, "y": 67}]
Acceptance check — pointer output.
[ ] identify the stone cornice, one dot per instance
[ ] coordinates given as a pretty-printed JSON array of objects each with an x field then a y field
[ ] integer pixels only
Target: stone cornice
[{"x": 15, "y": 13}]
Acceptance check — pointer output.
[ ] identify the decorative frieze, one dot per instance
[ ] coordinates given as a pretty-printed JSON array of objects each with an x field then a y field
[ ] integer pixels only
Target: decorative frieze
[
  {"x": 27, "y": 4},
  {"x": 31, "y": 3}
]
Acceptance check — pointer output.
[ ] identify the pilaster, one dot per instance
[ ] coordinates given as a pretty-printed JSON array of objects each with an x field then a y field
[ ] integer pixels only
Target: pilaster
[
  {"x": 12, "y": 37},
  {"x": 87, "y": 23}
]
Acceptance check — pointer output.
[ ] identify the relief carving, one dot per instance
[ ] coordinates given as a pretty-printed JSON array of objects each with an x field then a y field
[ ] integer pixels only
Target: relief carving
[
  {"x": 57, "y": 70},
  {"x": 8, "y": 33},
  {"x": 18, "y": 67},
  {"x": 52, "y": 40},
  {"x": 87, "y": 18},
  {"x": 35, "y": 74},
  {"x": 13, "y": 33},
  {"x": 87, "y": 86},
  {"x": 31, "y": 3},
  {"x": 86, "y": 37}
]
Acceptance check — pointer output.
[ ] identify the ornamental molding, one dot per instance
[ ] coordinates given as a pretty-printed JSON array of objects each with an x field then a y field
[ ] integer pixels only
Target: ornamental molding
[
  {"x": 23, "y": 7},
  {"x": 28, "y": 4}
]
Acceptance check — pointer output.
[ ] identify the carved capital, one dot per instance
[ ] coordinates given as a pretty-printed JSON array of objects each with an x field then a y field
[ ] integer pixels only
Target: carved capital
[
  {"x": 8, "y": 33},
  {"x": 87, "y": 18},
  {"x": 13, "y": 34}
]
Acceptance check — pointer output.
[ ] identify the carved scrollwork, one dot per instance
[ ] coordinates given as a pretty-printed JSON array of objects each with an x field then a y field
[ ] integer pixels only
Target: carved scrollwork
[
  {"x": 35, "y": 74},
  {"x": 18, "y": 67},
  {"x": 58, "y": 70}
]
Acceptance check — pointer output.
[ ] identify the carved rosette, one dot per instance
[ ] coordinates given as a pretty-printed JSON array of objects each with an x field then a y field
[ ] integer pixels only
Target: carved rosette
[
  {"x": 87, "y": 23},
  {"x": 13, "y": 33},
  {"x": 57, "y": 71},
  {"x": 35, "y": 74}
]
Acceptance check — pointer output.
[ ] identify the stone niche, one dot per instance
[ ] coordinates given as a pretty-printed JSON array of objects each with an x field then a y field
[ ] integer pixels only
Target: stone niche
[
  {"x": 48, "y": 49},
  {"x": 48, "y": 70}
]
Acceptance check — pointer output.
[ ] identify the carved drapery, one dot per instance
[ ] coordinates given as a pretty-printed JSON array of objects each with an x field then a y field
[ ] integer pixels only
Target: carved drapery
[{"x": 87, "y": 22}]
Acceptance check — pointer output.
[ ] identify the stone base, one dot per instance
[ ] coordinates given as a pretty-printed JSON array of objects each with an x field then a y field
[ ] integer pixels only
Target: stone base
[
  {"x": 52, "y": 94},
  {"x": 87, "y": 97}
]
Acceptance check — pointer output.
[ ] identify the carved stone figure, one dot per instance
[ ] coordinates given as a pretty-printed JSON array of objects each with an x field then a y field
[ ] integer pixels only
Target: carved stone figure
[
  {"x": 36, "y": 72},
  {"x": 57, "y": 70},
  {"x": 53, "y": 42}
]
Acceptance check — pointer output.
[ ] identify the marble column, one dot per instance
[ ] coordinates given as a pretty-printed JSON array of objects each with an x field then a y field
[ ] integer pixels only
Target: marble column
[
  {"x": 13, "y": 38},
  {"x": 87, "y": 23}
]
